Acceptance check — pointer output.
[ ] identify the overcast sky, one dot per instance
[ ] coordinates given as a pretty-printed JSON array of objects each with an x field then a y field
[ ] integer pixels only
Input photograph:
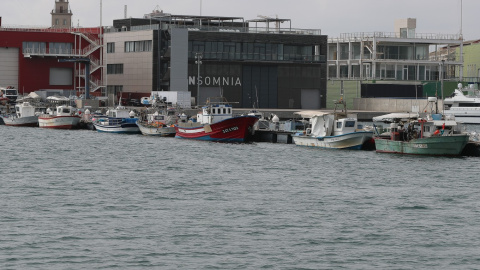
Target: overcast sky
[{"x": 333, "y": 17}]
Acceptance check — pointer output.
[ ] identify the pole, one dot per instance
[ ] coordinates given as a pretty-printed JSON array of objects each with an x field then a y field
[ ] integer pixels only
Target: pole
[
  {"x": 87, "y": 80},
  {"x": 198, "y": 62},
  {"x": 441, "y": 83}
]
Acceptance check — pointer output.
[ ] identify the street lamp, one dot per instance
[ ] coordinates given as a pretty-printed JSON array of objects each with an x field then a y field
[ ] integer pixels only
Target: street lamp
[
  {"x": 441, "y": 82},
  {"x": 198, "y": 56}
]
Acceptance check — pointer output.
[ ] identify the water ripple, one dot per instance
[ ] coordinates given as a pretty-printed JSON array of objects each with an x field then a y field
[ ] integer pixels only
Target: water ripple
[{"x": 87, "y": 200}]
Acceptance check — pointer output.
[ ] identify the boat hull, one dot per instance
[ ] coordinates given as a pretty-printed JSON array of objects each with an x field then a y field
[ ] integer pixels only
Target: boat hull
[
  {"x": 125, "y": 126},
  {"x": 432, "y": 146},
  {"x": 29, "y": 121},
  {"x": 235, "y": 129},
  {"x": 58, "y": 122},
  {"x": 354, "y": 140},
  {"x": 150, "y": 130},
  {"x": 467, "y": 116}
]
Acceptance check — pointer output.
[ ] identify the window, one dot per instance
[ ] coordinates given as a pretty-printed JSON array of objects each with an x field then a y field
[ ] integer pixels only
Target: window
[
  {"x": 110, "y": 47},
  {"x": 64, "y": 22},
  {"x": 339, "y": 124},
  {"x": 462, "y": 104},
  {"x": 34, "y": 47},
  {"x": 60, "y": 48},
  {"x": 349, "y": 123},
  {"x": 138, "y": 46},
  {"x": 115, "y": 69}
]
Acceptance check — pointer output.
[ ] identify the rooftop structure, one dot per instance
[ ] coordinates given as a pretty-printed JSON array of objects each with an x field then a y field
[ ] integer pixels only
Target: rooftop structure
[{"x": 209, "y": 24}]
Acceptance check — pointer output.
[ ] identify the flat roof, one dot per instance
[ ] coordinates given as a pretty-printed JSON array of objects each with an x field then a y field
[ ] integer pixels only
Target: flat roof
[
  {"x": 267, "y": 20},
  {"x": 193, "y": 17}
]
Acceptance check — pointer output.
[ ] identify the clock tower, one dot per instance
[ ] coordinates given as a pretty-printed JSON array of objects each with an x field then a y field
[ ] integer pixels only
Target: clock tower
[{"x": 61, "y": 15}]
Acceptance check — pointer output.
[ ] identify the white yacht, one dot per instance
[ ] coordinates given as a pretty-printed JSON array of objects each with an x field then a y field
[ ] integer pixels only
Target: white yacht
[{"x": 465, "y": 107}]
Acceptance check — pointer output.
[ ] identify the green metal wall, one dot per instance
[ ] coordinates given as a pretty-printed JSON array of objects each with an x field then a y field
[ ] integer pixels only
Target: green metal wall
[{"x": 471, "y": 61}]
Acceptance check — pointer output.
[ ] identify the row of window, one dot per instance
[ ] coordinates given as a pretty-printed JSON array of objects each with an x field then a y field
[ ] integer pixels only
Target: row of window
[
  {"x": 41, "y": 47},
  {"x": 57, "y": 22},
  {"x": 385, "y": 71},
  {"x": 221, "y": 110},
  {"x": 412, "y": 52},
  {"x": 132, "y": 46},
  {"x": 138, "y": 46},
  {"x": 253, "y": 51}
]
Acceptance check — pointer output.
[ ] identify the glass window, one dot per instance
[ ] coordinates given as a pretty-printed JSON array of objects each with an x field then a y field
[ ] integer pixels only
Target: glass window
[
  {"x": 115, "y": 69},
  {"x": 138, "y": 46},
  {"x": 60, "y": 48},
  {"x": 280, "y": 52},
  {"x": 349, "y": 123},
  {"x": 34, "y": 47},
  {"x": 110, "y": 47},
  {"x": 268, "y": 51},
  {"x": 238, "y": 50},
  {"x": 250, "y": 51},
  {"x": 339, "y": 124}
]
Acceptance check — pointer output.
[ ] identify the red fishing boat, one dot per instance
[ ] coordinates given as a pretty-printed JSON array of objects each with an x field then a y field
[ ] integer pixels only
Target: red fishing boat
[{"x": 216, "y": 123}]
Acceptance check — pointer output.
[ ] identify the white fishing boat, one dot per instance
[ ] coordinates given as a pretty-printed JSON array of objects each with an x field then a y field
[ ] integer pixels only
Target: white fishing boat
[
  {"x": 159, "y": 124},
  {"x": 118, "y": 120},
  {"x": 25, "y": 115},
  {"x": 63, "y": 117},
  {"x": 464, "y": 107},
  {"x": 332, "y": 130}
]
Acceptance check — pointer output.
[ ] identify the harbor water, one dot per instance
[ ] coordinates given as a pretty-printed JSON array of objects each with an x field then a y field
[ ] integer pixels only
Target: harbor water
[{"x": 79, "y": 199}]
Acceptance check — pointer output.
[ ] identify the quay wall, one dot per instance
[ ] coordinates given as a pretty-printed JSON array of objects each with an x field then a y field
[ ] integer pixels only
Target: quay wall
[{"x": 393, "y": 104}]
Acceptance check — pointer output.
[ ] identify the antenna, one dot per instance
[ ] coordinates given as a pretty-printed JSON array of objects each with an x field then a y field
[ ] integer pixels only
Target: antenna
[{"x": 125, "y": 12}]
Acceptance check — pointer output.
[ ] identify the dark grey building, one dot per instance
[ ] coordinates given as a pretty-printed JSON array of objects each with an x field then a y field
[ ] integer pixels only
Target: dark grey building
[{"x": 263, "y": 67}]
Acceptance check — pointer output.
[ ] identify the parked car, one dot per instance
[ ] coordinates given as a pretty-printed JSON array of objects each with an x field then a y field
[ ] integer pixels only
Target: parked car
[{"x": 134, "y": 102}]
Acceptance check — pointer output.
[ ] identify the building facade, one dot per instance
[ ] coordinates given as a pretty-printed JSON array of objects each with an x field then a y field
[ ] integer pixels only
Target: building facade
[
  {"x": 403, "y": 55},
  {"x": 31, "y": 59},
  {"x": 400, "y": 64},
  {"x": 211, "y": 56},
  {"x": 46, "y": 58}
]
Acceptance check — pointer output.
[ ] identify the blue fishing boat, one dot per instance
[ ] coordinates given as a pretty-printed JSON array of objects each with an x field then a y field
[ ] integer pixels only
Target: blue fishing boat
[{"x": 118, "y": 120}]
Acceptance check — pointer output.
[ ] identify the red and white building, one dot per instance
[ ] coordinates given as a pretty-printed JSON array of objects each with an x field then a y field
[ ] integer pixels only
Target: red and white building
[{"x": 32, "y": 57}]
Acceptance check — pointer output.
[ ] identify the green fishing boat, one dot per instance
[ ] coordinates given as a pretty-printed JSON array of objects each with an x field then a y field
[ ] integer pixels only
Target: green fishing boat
[{"x": 409, "y": 134}]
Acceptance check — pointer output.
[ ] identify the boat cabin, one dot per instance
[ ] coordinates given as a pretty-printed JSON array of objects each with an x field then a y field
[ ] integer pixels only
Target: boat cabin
[
  {"x": 120, "y": 112},
  {"x": 323, "y": 124},
  {"x": 24, "y": 110},
  {"x": 65, "y": 111},
  {"x": 215, "y": 113},
  {"x": 344, "y": 126}
]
